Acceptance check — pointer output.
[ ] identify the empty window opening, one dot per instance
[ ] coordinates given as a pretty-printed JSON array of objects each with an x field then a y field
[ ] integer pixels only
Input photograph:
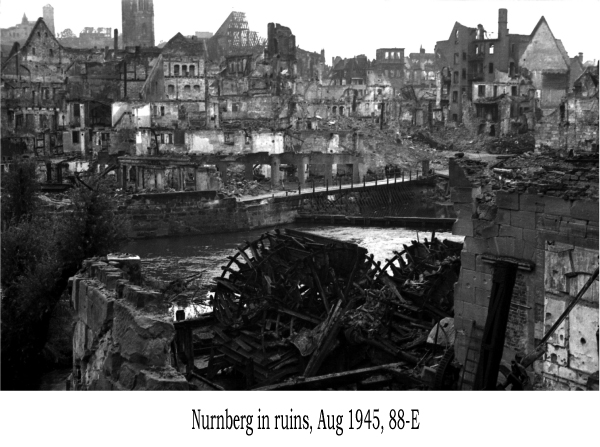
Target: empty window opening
[
  {"x": 495, "y": 90},
  {"x": 187, "y": 89},
  {"x": 192, "y": 70},
  {"x": 481, "y": 91},
  {"x": 514, "y": 90},
  {"x": 170, "y": 89},
  {"x": 176, "y": 70},
  {"x": 491, "y": 68},
  {"x": 75, "y": 137},
  {"x": 464, "y": 73},
  {"x": 455, "y": 96},
  {"x": 196, "y": 88},
  {"x": 184, "y": 70},
  {"x": 162, "y": 110},
  {"x": 491, "y": 49}
]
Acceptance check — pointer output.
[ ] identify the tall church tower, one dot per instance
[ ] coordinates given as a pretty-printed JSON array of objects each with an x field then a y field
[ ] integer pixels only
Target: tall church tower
[
  {"x": 138, "y": 23},
  {"x": 49, "y": 17}
]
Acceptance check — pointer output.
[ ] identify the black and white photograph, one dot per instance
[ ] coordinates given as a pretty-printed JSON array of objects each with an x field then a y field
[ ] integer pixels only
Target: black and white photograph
[{"x": 251, "y": 196}]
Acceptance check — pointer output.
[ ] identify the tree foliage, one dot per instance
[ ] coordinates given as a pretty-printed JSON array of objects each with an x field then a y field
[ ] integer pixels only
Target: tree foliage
[{"x": 40, "y": 251}]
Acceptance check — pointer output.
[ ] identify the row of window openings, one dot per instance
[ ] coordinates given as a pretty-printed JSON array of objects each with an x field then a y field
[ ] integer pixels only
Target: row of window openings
[
  {"x": 45, "y": 92},
  {"x": 184, "y": 70},
  {"x": 479, "y": 69},
  {"x": 393, "y": 55},
  {"x": 514, "y": 91},
  {"x": 186, "y": 89}
]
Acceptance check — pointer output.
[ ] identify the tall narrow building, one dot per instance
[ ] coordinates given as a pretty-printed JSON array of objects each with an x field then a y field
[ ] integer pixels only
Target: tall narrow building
[{"x": 138, "y": 23}]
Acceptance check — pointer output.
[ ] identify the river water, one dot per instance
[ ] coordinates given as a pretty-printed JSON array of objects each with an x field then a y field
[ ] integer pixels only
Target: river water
[{"x": 183, "y": 256}]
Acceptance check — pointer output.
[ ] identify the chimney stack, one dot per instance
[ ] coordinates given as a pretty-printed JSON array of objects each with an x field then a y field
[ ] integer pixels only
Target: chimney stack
[
  {"x": 502, "y": 23},
  {"x": 116, "y": 39},
  {"x": 581, "y": 57}
]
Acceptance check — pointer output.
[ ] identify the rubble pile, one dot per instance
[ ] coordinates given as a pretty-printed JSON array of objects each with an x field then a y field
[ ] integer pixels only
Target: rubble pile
[
  {"x": 512, "y": 144},
  {"x": 296, "y": 310}
]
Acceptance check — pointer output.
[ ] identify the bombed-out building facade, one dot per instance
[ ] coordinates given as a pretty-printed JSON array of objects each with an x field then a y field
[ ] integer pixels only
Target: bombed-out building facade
[{"x": 179, "y": 116}]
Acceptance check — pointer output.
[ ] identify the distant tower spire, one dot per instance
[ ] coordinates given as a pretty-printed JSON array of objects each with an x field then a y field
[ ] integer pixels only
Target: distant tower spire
[{"x": 24, "y": 21}]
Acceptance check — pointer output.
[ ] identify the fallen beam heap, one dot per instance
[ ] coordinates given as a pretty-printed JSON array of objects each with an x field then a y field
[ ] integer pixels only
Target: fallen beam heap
[{"x": 294, "y": 310}]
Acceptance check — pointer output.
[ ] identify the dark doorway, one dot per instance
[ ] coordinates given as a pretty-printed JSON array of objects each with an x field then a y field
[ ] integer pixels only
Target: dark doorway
[
  {"x": 492, "y": 131},
  {"x": 494, "y": 333}
]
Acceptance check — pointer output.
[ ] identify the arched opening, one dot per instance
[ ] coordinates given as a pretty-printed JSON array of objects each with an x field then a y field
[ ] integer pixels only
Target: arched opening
[
  {"x": 192, "y": 70},
  {"x": 187, "y": 89},
  {"x": 334, "y": 110},
  {"x": 492, "y": 130},
  {"x": 341, "y": 110}
]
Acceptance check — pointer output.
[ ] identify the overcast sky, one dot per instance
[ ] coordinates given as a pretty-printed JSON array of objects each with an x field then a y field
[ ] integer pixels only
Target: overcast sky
[{"x": 342, "y": 28}]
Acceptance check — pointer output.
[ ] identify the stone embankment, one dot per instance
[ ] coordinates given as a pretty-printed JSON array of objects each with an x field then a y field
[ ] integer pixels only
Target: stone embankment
[{"x": 123, "y": 333}]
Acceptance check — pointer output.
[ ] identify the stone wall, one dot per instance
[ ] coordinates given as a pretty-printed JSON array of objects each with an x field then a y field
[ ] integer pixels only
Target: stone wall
[
  {"x": 558, "y": 240},
  {"x": 575, "y": 127},
  {"x": 203, "y": 212},
  {"x": 123, "y": 334}
]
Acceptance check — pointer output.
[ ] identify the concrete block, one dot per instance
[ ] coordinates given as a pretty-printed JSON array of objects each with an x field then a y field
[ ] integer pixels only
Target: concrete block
[
  {"x": 142, "y": 338},
  {"x": 464, "y": 210},
  {"x": 482, "y": 266},
  {"x": 522, "y": 219},
  {"x": 574, "y": 227},
  {"x": 463, "y": 195},
  {"x": 480, "y": 314},
  {"x": 79, "y": 340},
  {"x": 503, "y": 217},
  {"x": 529, "y": 235},
  {"x": 557, "y": 206},
  {"x": 586, "y": 210},
  {"x": 82, "y": 300},
  {"x": 120, "y": 287},
  {"x": 482, "y": 297},
  {"x": 548, "y": 222},
  {"x": 463, "y": 227},
  {"x": 505, "y": 200},
  {"x": 464, "y": 291},
  {"x": 510, "y": 231},
  {"x": 529, "y": 251},
  {"x": 111, "y": 280},
  {"x": 475, "y": 245},
  {"x": 485, "y": 229},
  {"x": 472, "y": 279},
  {"x": 467, "y": 260},
  {"x": 99, "y": 310},
  {"x": 503, "y": 246},
  {"x": 531, "y": 202}
]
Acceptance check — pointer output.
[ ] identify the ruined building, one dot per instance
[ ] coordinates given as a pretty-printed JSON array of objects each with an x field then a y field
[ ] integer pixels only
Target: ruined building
[
  {"x": 138, "y": 23},
  {"x": 531, "y": 244},
  {"x": 471, "y": 58}
]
